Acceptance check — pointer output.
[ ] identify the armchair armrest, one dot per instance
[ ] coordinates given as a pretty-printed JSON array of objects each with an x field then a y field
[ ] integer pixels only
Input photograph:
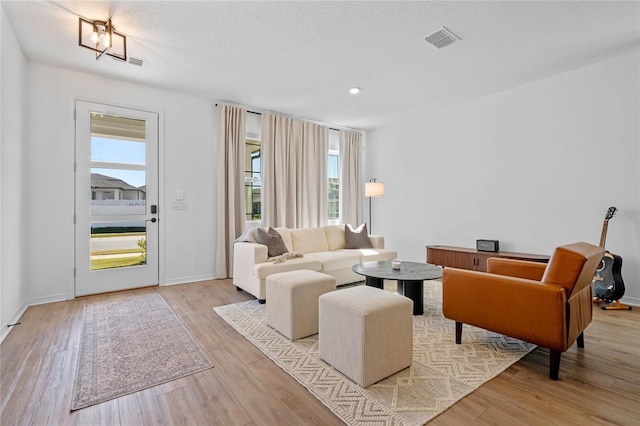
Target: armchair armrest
[
  {"x": 516, "y": 268},
  {"x": 377, "y": 241},
  {"x": 525, "y": 309}
]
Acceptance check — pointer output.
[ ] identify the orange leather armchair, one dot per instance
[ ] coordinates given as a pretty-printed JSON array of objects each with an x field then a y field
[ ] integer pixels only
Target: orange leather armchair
[{"x": 549, "y": 305}]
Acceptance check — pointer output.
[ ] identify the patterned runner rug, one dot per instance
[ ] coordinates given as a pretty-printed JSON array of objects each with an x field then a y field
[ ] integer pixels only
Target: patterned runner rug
[
  {"x": 442, "y": 372},
  {"x": 132, "y": 344}
]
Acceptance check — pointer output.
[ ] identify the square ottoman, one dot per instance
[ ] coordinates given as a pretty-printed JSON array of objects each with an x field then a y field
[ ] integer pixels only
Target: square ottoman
[
  {"x": 366, "y": 333},
  {"x": 292, "y": 301}
]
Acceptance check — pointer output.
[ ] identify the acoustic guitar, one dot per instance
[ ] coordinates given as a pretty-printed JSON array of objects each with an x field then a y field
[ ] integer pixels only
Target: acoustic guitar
[{"x": 608, "y": 285}]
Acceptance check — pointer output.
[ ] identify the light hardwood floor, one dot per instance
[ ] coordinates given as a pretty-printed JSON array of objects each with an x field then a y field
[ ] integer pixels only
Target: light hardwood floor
[{"x": 598, "y": 385}]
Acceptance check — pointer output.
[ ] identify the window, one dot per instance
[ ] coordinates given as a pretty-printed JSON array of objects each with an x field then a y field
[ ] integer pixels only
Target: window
[
  {"x": 333, "y": 172},
  {"x": 252, "y": 179}
]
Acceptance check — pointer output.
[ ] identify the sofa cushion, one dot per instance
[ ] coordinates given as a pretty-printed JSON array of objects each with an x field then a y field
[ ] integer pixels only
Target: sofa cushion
[
  {"x": 263, "y": 270},
  {"x": 332, "y": 260},
  {"x": 371, "y": 255},
  {"x": 273, "y": 240},
  {"x": 309, "y": 240},
  {"x": 285, "y": 233},
  {"x": 356, "y": 238},
  {"x": 335, "y": 236}
]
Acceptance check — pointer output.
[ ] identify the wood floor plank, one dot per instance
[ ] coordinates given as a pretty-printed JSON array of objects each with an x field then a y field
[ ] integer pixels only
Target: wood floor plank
[
  {"x": 211, "y": 392},
  {"x": 300, "y": 405},
  {"x": 140, "y": 409},
  {"x": 599, "y": 384},
  {"x": 181, "y": 407}
]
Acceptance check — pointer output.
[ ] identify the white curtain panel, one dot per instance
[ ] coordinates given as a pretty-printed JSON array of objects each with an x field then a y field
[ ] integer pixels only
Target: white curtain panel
[
  {"x": 231, "y": 208},
  {"x": 351, "y": 177},
  {"x": 294, "y": 172}
]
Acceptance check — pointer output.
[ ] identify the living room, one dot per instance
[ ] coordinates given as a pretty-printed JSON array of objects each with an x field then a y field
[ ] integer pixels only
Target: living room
[{"x": 533, "y": 163}]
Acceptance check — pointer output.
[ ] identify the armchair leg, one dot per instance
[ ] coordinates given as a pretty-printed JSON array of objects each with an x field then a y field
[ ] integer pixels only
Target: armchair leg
[
  {"x": 458, "y": 332},
  {"x": 554, "y": 364},
  {"x": 580, "y": 340}
]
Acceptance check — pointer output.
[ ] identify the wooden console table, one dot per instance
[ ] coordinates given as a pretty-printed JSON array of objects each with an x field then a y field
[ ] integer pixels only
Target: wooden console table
[{"x": 475, "y": 260}]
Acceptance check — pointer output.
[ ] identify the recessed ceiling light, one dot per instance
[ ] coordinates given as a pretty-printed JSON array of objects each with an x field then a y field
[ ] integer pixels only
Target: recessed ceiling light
[{"x": 354, "y": 90}]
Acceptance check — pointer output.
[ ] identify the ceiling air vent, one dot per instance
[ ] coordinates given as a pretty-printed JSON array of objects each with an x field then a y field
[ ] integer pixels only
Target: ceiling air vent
[
  {"x": 136, "y": 61},
  {"x": 442, "y": 38}
]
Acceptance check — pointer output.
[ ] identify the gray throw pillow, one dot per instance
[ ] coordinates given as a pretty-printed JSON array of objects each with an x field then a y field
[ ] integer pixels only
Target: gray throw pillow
[
  {"x": 356, "y": 238},
  {"x": 273, "y": 240}
]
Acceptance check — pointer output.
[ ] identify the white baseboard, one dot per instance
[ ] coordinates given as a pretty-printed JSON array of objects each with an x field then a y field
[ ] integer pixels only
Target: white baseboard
[
  {"x": 15, "y": 317},
  {"x": 22, "y": 309},
  {"x": 185, "y": 280}
]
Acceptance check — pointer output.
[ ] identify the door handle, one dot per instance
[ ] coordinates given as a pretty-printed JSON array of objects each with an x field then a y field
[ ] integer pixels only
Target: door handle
[{"x": 152, "y": 220}]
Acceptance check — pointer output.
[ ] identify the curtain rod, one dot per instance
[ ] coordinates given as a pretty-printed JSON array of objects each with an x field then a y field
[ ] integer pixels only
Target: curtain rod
[{"x": 259, "y": 113}]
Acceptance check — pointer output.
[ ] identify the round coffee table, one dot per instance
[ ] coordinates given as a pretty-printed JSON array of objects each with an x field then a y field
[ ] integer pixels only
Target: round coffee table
[{"x": 410, "y": 277}]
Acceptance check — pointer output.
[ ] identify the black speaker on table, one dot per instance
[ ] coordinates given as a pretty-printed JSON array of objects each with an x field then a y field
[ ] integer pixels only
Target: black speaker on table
[{"x": 487, "y": 245}]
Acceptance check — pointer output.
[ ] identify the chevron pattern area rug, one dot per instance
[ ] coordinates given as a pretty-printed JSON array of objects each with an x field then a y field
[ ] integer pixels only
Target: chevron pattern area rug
[{"x": 442, "y": 372}]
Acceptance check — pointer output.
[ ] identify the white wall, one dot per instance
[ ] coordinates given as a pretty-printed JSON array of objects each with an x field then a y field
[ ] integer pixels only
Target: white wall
[
  {"x": 533, "y": 167},
  {"x": 187, "y": 159},
  {"x": 13, "y": 282}
]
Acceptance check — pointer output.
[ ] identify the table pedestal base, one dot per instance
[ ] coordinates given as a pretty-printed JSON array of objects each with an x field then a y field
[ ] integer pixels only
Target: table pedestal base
[
  {"x": 375, "y": 282},
  {"x": 414, "y": 290}
]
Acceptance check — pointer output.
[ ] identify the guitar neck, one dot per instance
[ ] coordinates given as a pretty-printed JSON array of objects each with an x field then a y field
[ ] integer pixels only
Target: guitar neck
[{"x": 603, "y": 236}]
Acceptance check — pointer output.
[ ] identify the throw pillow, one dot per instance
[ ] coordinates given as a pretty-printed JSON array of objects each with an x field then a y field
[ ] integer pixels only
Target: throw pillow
[
  {"x": 356, "y": 238},
  {"x": 273, "y": 240}
]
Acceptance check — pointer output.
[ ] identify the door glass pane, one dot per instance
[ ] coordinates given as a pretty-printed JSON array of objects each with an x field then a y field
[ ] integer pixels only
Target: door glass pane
[
  {"x": 118, "y": 244},
  {"x": 117, "y": 150},
  {"x": 107, "y": 131},
  {"x": 117, "y": 192}
]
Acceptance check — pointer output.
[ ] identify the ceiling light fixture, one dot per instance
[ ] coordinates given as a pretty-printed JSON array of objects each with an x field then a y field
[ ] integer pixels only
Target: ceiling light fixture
[
  {"x": 354, "y": 90},
  {"x": 102, "y": 38}
]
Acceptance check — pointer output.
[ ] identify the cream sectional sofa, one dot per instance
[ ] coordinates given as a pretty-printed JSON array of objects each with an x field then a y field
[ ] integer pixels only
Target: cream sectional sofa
[{"x": 323, "y": 251}]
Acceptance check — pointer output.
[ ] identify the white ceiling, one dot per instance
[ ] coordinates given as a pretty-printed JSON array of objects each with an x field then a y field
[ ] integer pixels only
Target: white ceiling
[{"x": 301, "y": 57}]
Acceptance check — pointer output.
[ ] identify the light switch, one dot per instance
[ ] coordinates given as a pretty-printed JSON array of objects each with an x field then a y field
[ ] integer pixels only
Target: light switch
[{"x": 179, "y": 205}]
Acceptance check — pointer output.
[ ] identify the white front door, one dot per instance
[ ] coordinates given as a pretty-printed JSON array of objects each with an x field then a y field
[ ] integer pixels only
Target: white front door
[{"x": 116, "y": 200}]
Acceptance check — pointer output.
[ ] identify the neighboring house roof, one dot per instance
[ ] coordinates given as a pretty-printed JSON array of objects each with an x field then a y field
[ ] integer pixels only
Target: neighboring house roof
[{"x": 108, "y": 182}]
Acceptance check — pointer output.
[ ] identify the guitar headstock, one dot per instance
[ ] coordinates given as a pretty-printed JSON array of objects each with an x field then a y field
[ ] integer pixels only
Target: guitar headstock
[{"x": 610, "y": 213}]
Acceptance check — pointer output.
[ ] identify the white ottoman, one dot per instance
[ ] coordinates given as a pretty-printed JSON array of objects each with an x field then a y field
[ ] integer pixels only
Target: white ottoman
[
  {"x": 292, "y": 301},
  {"x": 366, "y": 333}
]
